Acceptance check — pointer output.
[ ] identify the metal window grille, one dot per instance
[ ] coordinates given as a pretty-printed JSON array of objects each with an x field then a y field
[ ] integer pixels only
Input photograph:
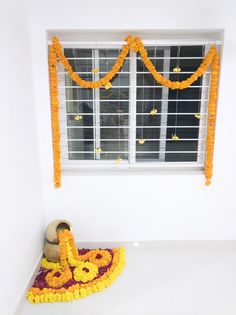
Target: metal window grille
[{"x": 99, "y": 126}]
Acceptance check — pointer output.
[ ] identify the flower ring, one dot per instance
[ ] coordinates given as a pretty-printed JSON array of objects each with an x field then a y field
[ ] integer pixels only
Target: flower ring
[
  {"x": 57, "y": 277},
  {"x": 85, "y": 271},
  {"x": 100, "y": 257}
]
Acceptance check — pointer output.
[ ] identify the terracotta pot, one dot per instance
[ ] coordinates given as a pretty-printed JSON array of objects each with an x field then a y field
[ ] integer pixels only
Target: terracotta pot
[
  {"x": 51, "y": 234},
  {"x": 51, "y": 251}
]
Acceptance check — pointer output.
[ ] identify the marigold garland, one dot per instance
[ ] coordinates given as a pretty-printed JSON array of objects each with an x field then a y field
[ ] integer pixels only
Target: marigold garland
[
  {"x": 211, "y": 118},
  {"x": 82, "y": 268},
  {"x": 55, "y": 115},
  {"x": 136, "y": 44},
  {"x": 49, "y": 265}
]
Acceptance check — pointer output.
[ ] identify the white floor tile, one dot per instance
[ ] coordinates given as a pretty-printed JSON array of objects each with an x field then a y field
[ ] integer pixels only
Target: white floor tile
[{"x": 159, "y": 280}]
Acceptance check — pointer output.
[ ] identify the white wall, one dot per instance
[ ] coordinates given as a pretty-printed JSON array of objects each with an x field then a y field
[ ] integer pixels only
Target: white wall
[
  {"x": 141, "y": 207},
  {"x": 22, "y": 215}
]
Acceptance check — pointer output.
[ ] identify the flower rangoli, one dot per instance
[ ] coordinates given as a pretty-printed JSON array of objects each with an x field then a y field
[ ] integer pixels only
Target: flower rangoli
[{"x": 79, "y": 273}]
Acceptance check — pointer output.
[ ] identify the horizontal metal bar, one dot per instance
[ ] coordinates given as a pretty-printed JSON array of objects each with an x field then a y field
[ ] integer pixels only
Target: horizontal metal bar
[
  {"x": 98, "y": 114},
  {"x": 172, "y": 152},
  {"x": 103, "y": 152},
  {"x": 128, "y": 86},
  {"x": 127, "y": 140},
  {"x": 140, "y": 100},
  {"x": 137, "y": 58},
  {"x": 90, "y": 72},
  {"x": 128, "y": 114},
  {"x": 128, "y": 72},
  {"x": 137, "y": 152},
  {"x": 127, "y": 127}
]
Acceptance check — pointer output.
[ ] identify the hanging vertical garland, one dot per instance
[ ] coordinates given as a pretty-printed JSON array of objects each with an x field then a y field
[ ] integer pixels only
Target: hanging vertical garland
[
  {"x": 210, "y": 140},
  {"x": 136, "y": 44},
  {"x": 55, "y": 115}
]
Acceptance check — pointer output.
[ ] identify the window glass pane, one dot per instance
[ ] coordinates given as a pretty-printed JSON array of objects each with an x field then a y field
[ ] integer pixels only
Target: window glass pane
[
  {"x": 114, "y": 107},
  {"x": 183, "y": 120},
  {"x": 149, "y": 94},
  {"x": 147, "y": 120},
  {"x": 86, "y": 107},
  {"x": 147, "y": 106},
  {"x": 147, "y": 157},
  {"x": 84, "y": 120},
  {"x": 144, "y": 151},
  {"x": 114, "y": 120},
  {"x": 108, "y": 58},
  {"x": 184, "y": 106},
  {"x": 121, "y": 80},
  {"x": 80, "y": 146},
  {"x": 180, "y": 157},
  {"x": 188, "y": 59},
  {"x": 182, "y": 133},
  {"x": 79, "y": 93},
  {"x": 148, "y": 133},
  {"x": 79, "y": 107},
  {"x": 114, "y": 145},
  {"x": 120, "y": 149},
  {"x": 114, "y": 156},
  {"x": 114, "y": 94},
  {"x": 81, "y": 156},
  {"x": 79, "y": 101},
  {"x": 191, "y": 145},
  {"x": 80, "y": 59},
  {"x": 114, "y": 133},
  {"x": 80, "y": 133},
  {"x": 114, "y": 101},
  {"x": 75, "y": 52}
]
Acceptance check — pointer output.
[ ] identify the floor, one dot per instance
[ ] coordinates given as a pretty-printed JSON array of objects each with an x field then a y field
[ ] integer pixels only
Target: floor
[{"x": 162, "y": 278}]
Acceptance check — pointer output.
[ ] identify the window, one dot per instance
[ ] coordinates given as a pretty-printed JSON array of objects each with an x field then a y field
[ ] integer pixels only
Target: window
[{"x": 136, "y": 123}]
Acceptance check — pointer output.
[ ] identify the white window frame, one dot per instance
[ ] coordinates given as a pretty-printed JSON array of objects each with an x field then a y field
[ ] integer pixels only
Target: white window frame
[{"x": 71, "y": 166}]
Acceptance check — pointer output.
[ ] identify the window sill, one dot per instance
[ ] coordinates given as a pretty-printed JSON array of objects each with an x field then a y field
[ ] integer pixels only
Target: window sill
[{"x": 174, "y": 168}]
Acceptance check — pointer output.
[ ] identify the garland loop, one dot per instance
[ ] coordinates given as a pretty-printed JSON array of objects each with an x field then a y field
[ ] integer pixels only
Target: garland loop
[{"x": 136, "y": 45}]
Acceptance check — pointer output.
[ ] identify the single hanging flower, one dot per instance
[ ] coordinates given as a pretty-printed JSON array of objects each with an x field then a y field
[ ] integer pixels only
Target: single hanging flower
[
  {"x": 98, "y": 150},
  {"x": 175, "y": 138},
  {"x": 95, "y": 70},
  {"x": 78, "y": 117},
  {"x": 153, "y": 112},
  {"x": 108, "y": 86},
  {"x": 177, "y": 69},
  {"x": 119, "y": 160},
  {"x": 141, "y": 141}
]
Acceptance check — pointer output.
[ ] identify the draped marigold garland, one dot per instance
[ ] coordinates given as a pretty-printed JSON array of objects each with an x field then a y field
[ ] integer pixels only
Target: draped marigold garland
[{"x": 136, "y": 44}]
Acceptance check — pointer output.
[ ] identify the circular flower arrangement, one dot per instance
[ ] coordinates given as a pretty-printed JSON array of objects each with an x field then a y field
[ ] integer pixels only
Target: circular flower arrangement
[
  {"x": 78, "y": 274},
  {"x": 100, "y": 257},
  {"x": 85, "y": 272},
  {"x": 58, "y": 277}
]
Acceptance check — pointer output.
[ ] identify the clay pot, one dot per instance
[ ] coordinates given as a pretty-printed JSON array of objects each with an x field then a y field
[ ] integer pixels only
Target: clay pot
[
  {"x": 51, "y": 248},
  {"x": 52, "y": 230},
  {"x": 51, "y": 251}
]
